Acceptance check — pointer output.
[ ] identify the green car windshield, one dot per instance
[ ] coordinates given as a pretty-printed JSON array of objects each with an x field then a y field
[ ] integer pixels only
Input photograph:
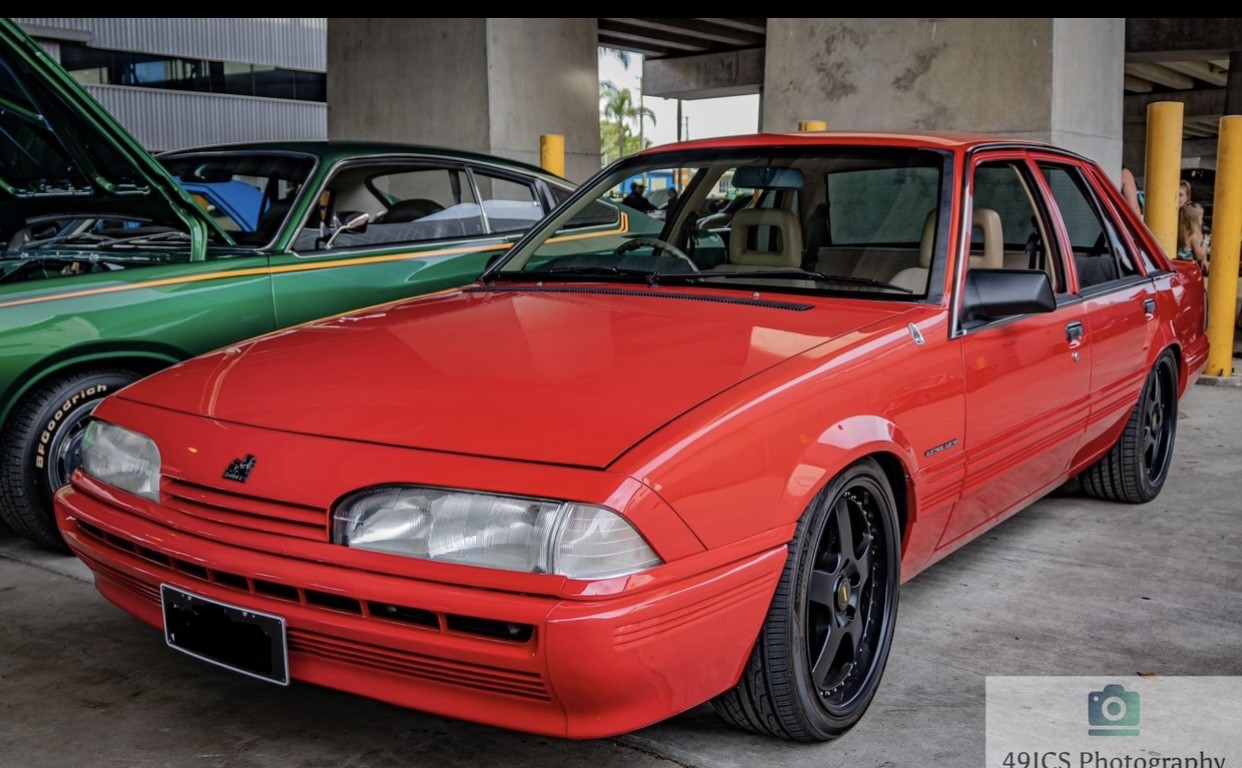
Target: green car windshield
[{"x": 248, "y": 194}]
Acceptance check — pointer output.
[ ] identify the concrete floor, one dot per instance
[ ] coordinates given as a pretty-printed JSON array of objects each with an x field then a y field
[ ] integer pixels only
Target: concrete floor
[{"x": 1067, "y": 587}]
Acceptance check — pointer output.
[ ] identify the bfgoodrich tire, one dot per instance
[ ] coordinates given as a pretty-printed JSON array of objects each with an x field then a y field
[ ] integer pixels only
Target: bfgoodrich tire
[
  {"x": 38, "y": 448},
  {"x": 1135, "y": 468},
  {"x": 822, "y": 650}
]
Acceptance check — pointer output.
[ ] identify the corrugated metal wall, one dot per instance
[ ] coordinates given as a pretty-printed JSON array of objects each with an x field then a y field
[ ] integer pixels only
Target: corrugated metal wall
[
  {"x": 176, "y": 119},
  {"x": 290, "y": 43},
  {"x": 162, "y": 119}
]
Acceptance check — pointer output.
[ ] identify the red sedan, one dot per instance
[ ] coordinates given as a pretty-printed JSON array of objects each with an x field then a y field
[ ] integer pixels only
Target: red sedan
[{"x": 622, "y": 474}]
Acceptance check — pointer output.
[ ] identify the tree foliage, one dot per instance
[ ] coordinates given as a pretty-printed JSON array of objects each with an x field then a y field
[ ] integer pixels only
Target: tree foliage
[{"x": 618, "y": 111}]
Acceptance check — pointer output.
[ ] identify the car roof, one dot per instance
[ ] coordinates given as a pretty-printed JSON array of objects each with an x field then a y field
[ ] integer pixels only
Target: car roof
[
  {"x": 959, "y": 141},
  {"x": 333, "y": 149}
]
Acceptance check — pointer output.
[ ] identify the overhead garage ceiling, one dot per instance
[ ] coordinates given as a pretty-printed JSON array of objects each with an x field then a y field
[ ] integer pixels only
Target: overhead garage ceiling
[
  {"x": 1167, "y": 59},
  {"x": 659, "y": 38}
]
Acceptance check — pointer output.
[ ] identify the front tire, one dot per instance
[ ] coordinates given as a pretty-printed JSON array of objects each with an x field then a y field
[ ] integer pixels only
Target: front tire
[
  {"x": 1135, "y": 468},
  {"x": 822, "y": 650},
  {"x": 38, "y": 448}
]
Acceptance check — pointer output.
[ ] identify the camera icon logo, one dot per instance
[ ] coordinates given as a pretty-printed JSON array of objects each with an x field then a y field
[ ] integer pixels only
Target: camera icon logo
[{"x": 1113, "y": 711}]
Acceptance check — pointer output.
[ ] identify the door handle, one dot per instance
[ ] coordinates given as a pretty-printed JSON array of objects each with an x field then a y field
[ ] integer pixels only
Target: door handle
[
  {"x": 1149, "y": 307},
  {"x": 1073, "y": 332}
]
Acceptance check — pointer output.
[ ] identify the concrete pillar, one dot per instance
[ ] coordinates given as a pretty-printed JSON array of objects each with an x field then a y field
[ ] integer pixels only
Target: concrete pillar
[
  {"x": 1057, "y": 80},
  {"x": 485, "y": 85}
]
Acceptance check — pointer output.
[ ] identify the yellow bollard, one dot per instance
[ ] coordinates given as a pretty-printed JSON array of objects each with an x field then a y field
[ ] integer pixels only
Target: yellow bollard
[
  {"x": 1226, "y": 239},
  {"x": 812, "y": 125},
  {"x": 552, "y": 153},
  {"x": 1163, "y": 171}
]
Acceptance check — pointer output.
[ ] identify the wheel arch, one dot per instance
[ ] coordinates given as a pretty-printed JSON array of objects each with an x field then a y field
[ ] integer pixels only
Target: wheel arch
[
  {"x": 860, "y": 437},
  {"x": 144, "y": 359},
  {"x": 1183, "y": 374},
  {"x": 899, "y": 482}
]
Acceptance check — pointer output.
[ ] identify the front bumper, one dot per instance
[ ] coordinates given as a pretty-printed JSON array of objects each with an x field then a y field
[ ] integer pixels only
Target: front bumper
[{"x": 574, "y": 668}]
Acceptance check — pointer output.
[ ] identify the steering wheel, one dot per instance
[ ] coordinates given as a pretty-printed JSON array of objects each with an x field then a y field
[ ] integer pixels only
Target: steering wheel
[{"x": 659, "y": 245}]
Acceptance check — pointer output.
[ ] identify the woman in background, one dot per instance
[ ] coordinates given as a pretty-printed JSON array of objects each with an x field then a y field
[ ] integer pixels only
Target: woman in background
[{"x": 1190, "y": 241}]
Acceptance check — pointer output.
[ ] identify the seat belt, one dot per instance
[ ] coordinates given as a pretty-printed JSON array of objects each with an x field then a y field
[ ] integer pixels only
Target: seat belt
[{"x": 819, "y": 229}]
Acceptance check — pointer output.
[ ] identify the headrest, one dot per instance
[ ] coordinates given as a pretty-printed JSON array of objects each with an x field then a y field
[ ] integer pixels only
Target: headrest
[
  {"x": 986, "y": 219},
  {"x": 993, "y": 256},
  {"x": 411, "y": 209},
  {"x": 788, "y": 240}
]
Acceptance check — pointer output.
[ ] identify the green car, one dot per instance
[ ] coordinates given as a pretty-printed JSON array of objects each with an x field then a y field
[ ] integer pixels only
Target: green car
[{"x": 117, "y": 263}]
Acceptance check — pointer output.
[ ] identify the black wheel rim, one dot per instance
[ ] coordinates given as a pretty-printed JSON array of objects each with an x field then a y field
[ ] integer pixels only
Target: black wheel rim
[
  {"x": 1158, "y": 423},
  {"x": 64, "y": 449},
  {"x": 849, "y": 595}
]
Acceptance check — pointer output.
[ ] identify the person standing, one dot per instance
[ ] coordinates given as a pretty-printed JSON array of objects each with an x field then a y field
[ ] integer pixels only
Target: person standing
[
  {"x": 1190, "y": 241},
  {"x": 1129, "y": 189},
  {"x": 637, "y": 200},
  {"x": 1183, "y": 194}
]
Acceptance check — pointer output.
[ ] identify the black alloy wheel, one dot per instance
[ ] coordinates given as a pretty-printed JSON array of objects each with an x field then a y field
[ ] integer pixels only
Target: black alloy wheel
[
  {"x": 1159, "y": 421},
  {"x": 1136, "y": 466},
  {"x": 822, "y": 650}
]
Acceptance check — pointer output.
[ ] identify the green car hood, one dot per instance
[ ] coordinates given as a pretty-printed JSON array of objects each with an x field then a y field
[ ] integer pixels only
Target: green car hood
[{"x": 62, "y": 154}]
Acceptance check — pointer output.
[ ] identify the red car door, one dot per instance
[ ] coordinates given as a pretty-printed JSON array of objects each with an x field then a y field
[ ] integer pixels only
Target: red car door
[
  {"x": 1120, "y": 302},
  {"x": 1027, "y": 376}
]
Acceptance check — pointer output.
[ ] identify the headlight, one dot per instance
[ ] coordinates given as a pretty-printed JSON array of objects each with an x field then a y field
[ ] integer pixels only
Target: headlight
[
  {"x": 580, "y": 541},
  {"x": 122, "y": 458}
]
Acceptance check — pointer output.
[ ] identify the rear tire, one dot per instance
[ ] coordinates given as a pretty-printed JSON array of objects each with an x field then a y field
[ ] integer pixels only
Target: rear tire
[
  {"x": 1135, "y": 468},
  {"x": 822, "y": 650},
  {"x": 38, "y": 448}
]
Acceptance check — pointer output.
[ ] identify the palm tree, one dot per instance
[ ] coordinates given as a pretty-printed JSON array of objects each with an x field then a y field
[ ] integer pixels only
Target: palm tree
[
  {"x": 618, "y": 54},
  {"x": 620, "y": 107}
]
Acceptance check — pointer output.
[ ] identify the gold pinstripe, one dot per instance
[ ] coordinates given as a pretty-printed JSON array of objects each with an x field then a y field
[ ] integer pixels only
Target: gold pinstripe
[{"x": 308, "y": 267}]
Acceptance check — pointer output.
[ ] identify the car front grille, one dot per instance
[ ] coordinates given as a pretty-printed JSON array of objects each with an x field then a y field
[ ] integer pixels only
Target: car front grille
[
  {"x": 492, "y": 679},
  {"x": 243, "y": 512},
  {"x": 510, "y": 632}
]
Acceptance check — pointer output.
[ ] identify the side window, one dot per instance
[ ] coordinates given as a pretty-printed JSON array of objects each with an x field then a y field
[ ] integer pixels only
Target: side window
[
  {"x": 423, "y": 195},
  {"x": 406, "y": 203},
  {"x": 597, "y": 214},
  {"x": 508, "y": 205},
  {"x": 1009, "y": 231},
  {"x": 1148, "y": 261},
  {"x": 1100, "y": 257}
]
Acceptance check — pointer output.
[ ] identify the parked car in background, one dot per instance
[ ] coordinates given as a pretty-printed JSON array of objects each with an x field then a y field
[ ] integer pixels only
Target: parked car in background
[
  {"x": 621, "y": 475},
  {"x": 114, "y": 264}
]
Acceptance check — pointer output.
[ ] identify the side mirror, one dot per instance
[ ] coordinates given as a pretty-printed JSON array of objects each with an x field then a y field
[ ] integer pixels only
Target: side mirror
[
  {"x": 357, "y": 224},
  {"x": 995, "y": 293}
]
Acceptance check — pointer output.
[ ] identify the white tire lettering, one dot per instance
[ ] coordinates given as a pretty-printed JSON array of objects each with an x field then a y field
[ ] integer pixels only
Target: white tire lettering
[{"x": 46, "y": 436}]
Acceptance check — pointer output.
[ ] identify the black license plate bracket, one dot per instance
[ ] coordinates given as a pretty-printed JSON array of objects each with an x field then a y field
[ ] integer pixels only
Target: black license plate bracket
[{"x": 249, "y": 642}]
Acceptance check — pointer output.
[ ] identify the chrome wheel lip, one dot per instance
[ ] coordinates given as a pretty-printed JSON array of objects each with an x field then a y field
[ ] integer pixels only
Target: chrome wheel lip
[{"x": 63, "y": 450}]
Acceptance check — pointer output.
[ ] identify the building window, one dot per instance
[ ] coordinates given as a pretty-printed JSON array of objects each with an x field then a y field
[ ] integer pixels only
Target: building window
[{"x": 100, "y": 66}]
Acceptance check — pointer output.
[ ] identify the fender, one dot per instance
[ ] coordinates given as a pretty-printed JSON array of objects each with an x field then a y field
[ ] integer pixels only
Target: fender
[{"x": 145, "y": 357}]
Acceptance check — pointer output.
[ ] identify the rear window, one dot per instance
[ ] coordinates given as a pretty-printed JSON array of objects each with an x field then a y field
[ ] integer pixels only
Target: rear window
[{"x": 882, "y": 206}]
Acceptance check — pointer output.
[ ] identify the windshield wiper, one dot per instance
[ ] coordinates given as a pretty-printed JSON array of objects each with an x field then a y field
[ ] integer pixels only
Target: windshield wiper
[
  {"x": 809, "y": 274},
  {"x": 88, "y": 237},
  {"x": 173, "y": 234},
  {"x": 68, "y": 238}
]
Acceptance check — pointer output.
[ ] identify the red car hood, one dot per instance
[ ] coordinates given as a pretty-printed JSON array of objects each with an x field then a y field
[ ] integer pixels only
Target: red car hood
[{"x": 537, "y": 376}]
